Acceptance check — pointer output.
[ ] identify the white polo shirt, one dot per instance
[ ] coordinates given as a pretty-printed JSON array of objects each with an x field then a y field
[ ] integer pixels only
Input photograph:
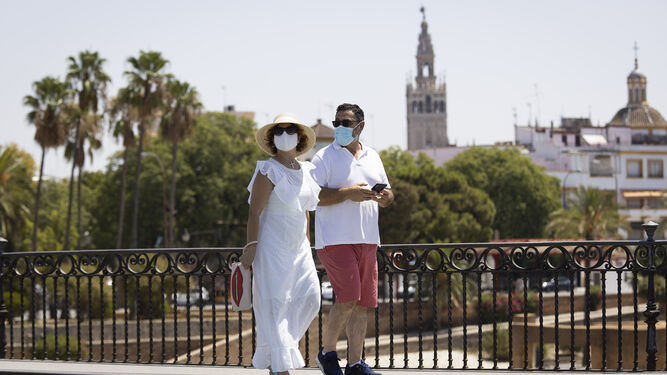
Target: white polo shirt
[{"x": 347, "y": 222}]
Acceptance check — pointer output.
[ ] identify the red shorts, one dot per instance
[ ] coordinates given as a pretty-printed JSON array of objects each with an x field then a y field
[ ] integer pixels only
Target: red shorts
[{"x": 353, "y": 272}]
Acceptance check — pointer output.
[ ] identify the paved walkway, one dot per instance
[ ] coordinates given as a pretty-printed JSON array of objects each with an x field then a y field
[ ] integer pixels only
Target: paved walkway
[{"x": 28, "y": 367}]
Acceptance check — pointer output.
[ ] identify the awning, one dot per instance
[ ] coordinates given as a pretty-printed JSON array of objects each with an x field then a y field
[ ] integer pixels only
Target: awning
[
  {"x": 644, "y": 194},
  {"x": 594, "y": 139}
]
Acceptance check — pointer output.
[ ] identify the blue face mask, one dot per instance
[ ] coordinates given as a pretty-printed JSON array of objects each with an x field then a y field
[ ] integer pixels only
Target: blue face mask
[{"x": 343, "y": 135}]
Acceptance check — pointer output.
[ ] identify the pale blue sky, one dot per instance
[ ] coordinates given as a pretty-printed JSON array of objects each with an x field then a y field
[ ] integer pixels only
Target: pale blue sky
[{"x": 308, "y": 56}]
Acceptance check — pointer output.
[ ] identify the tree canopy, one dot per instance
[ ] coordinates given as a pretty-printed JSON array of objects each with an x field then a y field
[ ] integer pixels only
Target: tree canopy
[
  {"x": 16, "y": 193},
  {"x": 592, "y": 215},
  {"x": 523, "y": 195},
  {"x": 214, "y": 166},
  {"x": 433, "y": 205}
]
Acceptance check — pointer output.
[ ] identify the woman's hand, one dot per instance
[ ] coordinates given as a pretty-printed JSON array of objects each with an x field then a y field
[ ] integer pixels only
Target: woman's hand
[{"x": 248, "y": 256}]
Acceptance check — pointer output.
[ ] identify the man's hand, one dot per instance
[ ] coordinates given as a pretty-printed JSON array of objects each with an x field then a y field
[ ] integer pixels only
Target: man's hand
[
  {"x": 384, "y": 197},
  {"x": 358, "y": 193},
  {"x": 248, "y": 256}
]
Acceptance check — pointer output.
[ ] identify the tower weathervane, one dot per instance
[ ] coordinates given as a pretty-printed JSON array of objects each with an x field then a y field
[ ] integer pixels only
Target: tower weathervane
[
  {"x": 636, "y": 48},
  {"x": 423, "y": 13}
]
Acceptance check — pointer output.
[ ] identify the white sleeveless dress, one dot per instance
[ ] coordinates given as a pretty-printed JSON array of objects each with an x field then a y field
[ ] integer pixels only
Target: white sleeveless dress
[{"x": 286, "y": 290}]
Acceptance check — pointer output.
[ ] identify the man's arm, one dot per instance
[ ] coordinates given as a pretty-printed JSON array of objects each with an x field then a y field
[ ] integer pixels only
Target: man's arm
[{"x": 355, "y": 193}]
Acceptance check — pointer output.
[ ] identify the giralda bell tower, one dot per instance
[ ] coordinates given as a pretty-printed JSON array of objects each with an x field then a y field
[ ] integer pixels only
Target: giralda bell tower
[{"x": 427, "y": 102}]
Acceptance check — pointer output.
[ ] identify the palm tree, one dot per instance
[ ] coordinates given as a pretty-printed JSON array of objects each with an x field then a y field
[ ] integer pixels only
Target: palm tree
[
  {"x": 16, "y": 171},
  {"x": 89, "y": 82},
  {"x": 123, "y": 115},
  {"x": 89, "y": 131},
  {"x": 592, "y": 214},
  {"x": 47, "y": 113},
  {"x": 147, "y": 78},
  {"x": 182, "y": 105}
]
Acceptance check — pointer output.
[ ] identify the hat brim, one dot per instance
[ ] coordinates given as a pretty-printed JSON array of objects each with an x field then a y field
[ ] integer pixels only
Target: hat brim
[{"x": 261, "y": 136}]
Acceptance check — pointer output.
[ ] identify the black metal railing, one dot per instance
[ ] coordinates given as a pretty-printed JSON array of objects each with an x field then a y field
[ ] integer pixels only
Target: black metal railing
[{"x": 520, "y": 305}]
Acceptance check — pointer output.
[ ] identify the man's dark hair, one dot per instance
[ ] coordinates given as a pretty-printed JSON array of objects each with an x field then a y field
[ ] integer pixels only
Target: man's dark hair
[{"x": 358, "y": 112}]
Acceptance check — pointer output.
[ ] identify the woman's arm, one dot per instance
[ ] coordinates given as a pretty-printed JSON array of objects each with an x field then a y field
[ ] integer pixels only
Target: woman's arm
[
  {"x": 261, "y": 190},
  {"x": 308, "y": 225}
]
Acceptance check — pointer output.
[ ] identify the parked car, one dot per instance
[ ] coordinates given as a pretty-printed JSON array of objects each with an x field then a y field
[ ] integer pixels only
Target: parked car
[
  {"x": 195, "y": 297},
  {"x": 327, "y": 291},
  {"x": 410, "y": 293},
  {"x": 563, "y": 284}
]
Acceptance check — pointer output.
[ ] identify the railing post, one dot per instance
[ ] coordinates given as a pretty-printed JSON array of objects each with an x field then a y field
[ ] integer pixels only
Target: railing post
[
  {"x": 651, "y": 312},
  {"x": 3, "y": 308}
]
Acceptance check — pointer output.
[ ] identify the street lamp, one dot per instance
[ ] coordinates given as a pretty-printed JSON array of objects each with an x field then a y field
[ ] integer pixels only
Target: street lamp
[
  {"x": 167, "y": 242},
  {"x": 612, "y": 164},
  {"x": 564, "y": 182}
]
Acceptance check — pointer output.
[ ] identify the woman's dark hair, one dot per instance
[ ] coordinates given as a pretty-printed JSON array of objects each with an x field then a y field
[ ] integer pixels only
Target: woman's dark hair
[
  {"x": 303, "y": 140},
  {"x": 358, "y": 112}
]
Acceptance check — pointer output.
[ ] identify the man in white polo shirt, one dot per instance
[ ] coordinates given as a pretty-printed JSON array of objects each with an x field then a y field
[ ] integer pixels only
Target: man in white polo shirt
[{"x": 347, "y": 235}]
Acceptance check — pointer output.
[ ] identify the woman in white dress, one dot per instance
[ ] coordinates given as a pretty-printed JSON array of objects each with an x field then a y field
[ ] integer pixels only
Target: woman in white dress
[{"x": 286, "y": 290}]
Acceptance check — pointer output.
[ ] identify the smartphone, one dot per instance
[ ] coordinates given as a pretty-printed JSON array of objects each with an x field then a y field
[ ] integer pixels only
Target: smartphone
[{"x": 378, "y": 187}]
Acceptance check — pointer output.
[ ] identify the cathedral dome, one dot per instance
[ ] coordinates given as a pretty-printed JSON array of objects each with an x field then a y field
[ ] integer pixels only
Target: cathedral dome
[
  {"x": 636, "y": 74},
  {"x": 637, "y": 113},
  {"x": 638, "y": 116}
]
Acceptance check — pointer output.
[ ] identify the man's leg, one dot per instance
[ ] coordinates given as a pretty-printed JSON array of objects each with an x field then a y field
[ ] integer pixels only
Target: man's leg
[
  {"x": 341, "y": 264},
  {"x": 356, "y": 333},
  {"x": 356, "y": 328},
  {"x": 338, "y": 318}
]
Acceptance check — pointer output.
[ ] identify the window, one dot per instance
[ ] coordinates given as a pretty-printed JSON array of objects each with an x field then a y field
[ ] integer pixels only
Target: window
[
  {"x": 643, "y": 95},
  {"x": 564, "y": 139},
  {"x": 634, "y": 168},
  {"x": 636, "y": 231},
  {"x": 420, "y": 107},
  {"x": 654, "y": 203},
  {"x": 629, "y": 95},
  {"x": 428, "y": 104},
  {"x": 636, "y": 95},
  {"x": 600, "y": 166},
  {"x": 577, "y": 140},
  {"x": 634, "y": 203},
  {"x": 426, "y": 70},
  {"x": 655, "y": 168}
]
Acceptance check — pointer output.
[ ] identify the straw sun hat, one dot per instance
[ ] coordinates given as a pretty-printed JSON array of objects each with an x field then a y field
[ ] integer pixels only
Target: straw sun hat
[{"x": 289, "y": 118}]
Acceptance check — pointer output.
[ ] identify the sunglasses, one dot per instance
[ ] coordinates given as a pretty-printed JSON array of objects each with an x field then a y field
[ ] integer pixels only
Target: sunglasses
[
  {"x": 345, "y": 123},
  {"x": 277, "y": 130}
]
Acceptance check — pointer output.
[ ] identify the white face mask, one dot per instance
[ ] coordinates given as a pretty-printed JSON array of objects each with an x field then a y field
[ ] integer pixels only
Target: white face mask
[{"x": 286, "y": 142}]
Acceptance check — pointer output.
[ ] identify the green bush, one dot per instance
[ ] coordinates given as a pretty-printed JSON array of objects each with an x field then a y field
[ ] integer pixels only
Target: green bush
[
  {"x": 501, "y": 310},
  {"x": 595, "y": 296},
  {"x": 147, "y": 302},
  {"x": 14, "y": 304},
  {"x": 659, "y": 286},
  {"x": 532, "y": 303},
  {"x": 89, "y": 308},
  {"x": 502, "y": 344},
  {"x": 51, "y": 348}
]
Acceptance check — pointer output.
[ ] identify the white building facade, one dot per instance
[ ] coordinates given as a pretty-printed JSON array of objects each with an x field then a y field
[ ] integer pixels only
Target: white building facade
[{"x": 627, "y": 156}]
